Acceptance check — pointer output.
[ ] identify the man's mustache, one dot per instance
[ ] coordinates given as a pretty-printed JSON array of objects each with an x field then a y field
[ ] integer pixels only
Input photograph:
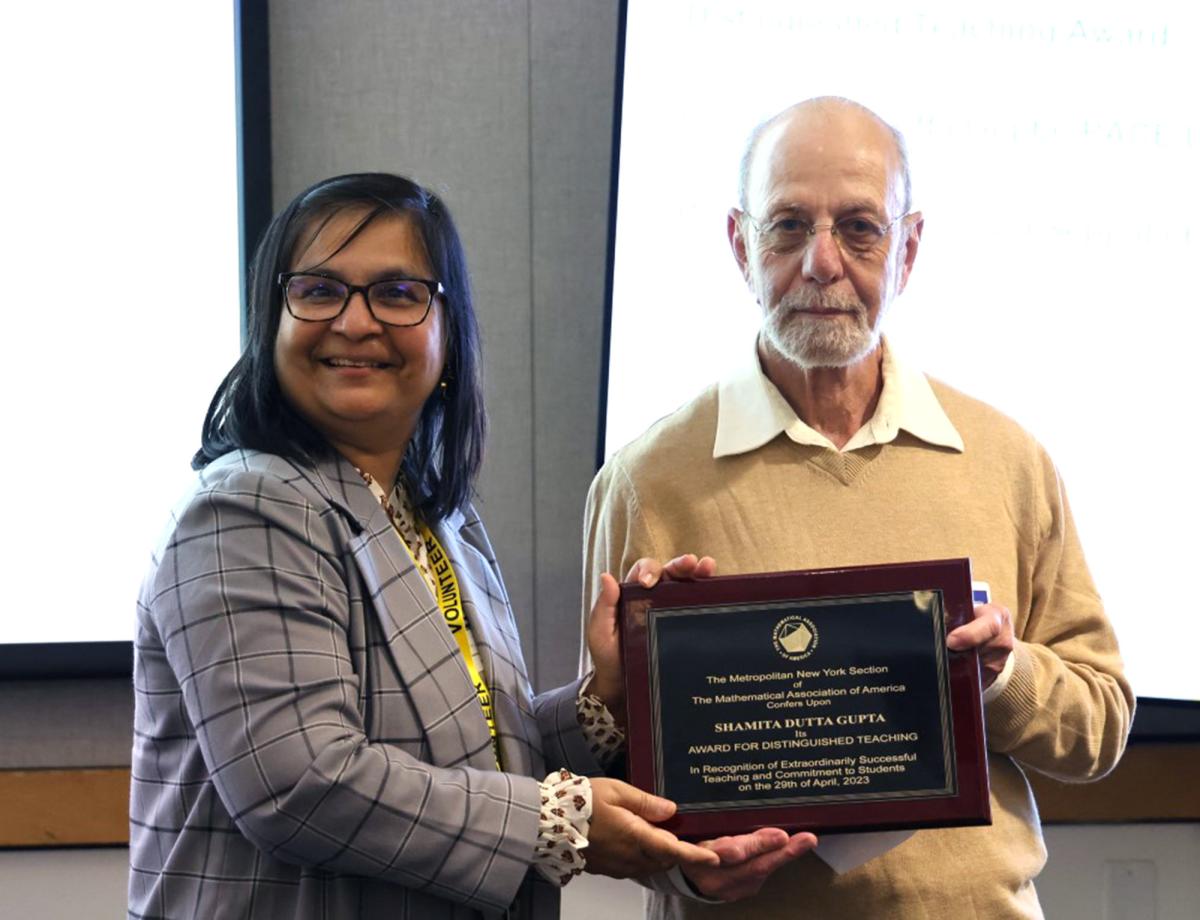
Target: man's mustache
[{"x": 822, "y": 300}]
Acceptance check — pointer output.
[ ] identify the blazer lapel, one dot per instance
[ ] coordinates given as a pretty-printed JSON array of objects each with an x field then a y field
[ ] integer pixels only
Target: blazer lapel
[
  {"x": 490, "y": 621},
  {"x": 426, "y": 655}
]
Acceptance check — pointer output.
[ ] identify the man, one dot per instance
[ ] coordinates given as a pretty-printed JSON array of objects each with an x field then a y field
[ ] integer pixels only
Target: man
[{"x": 827, "y": 450}]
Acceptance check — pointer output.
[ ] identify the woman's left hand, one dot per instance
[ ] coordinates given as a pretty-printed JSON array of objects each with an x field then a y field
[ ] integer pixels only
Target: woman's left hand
[{"x": 608, "y": 682}]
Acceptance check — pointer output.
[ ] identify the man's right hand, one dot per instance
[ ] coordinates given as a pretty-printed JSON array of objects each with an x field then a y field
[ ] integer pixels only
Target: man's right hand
[
  {"x": 623, "y": 841},
  {"x": 746, "y": 862}
]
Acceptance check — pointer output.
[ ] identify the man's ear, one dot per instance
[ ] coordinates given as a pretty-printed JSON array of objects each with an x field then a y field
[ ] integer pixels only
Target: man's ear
[
  {"x": 912, "y": 241},
  {"x": 737, "y": 241}
]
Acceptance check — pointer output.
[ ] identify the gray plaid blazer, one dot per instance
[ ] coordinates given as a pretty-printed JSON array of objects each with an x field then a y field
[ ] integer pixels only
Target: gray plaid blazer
[{"x": 307, "y": 743}]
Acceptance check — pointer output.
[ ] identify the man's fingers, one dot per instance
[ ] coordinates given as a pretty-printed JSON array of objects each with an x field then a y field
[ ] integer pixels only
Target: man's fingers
[
  {"x": 740, "y": 848},
  {"x": 681, "y": 566},
  {"x": 797, "y": 845},
  {"x": 690, "y": 566},
  {"x": 800, "y": 843},
  {"x": 602, "y": 620},
  {"x": 610, "y": 593},
  {"x": 969, "y": 636},
  {"x": 603, "y": 644},
  {"x": 646, "y": 572},
  {"x": 991, "y": 620}
]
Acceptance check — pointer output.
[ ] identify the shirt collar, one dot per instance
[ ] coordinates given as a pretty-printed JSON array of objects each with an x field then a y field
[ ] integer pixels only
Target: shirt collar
[{"x": 751, "y": 411}]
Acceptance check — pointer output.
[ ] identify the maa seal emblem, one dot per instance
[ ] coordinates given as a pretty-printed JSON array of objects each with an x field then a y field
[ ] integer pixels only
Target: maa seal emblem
[{"x": 795, "y": 637}]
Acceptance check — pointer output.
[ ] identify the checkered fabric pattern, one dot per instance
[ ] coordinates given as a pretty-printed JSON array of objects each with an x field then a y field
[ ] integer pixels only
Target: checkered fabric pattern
[{"x": 307, "y": 742}]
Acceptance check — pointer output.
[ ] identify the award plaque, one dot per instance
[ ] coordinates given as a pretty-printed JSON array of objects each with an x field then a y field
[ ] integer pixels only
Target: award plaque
[{"x": 821, "y": 700}]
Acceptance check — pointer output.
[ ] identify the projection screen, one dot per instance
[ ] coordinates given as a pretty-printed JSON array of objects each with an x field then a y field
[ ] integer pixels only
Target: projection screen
[{"x": 1054, "y": 156}]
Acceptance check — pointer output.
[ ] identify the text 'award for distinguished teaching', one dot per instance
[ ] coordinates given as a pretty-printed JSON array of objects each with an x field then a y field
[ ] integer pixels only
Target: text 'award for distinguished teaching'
[{"x": 820, "y": 700}]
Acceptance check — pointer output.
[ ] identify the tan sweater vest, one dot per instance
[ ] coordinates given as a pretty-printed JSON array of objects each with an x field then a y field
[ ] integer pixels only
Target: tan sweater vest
[{"x": 1067, "y": 708}]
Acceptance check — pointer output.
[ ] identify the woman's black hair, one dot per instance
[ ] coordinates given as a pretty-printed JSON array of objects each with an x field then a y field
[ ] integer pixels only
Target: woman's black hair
[{"x": 249, "y": 409}]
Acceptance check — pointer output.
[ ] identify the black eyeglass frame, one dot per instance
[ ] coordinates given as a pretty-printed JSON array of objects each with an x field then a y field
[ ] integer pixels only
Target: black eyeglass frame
[{"x": 435, "y": 288}]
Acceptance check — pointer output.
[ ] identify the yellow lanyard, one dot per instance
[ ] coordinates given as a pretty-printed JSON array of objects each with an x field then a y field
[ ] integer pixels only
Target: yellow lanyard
[{"x": 449, "y": 599}]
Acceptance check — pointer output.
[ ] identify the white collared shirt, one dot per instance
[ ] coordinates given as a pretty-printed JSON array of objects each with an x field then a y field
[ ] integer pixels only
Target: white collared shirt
[{"x": 751, "y": 412}]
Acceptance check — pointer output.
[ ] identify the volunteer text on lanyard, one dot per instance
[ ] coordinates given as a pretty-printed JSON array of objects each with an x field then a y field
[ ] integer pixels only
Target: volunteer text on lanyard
[{"x": 449, "y": 599}]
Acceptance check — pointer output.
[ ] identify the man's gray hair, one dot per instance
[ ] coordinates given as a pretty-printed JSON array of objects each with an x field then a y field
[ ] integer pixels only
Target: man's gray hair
[{"x": 761, "y": 128}]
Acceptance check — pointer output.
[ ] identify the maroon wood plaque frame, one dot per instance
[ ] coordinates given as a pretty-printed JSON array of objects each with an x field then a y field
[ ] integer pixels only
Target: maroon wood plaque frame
[{"x": 665, "y": 629}]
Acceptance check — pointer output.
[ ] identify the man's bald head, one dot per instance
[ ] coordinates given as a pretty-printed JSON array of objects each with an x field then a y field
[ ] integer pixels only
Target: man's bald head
[
  {"x": 821, "y": 107},
  {"x": 831, "y": 165}
]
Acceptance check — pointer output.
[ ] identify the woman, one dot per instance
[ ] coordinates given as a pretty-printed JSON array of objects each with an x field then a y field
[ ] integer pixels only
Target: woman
[{"x": 333, "y": 717}]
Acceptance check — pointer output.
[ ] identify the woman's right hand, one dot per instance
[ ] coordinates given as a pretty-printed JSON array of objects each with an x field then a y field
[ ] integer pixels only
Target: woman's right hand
[{"x": 622, "y": 839}]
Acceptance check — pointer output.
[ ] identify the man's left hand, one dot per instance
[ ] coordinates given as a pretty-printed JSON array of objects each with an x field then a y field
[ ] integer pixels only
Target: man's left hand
[{"x": 991, "y": 632}]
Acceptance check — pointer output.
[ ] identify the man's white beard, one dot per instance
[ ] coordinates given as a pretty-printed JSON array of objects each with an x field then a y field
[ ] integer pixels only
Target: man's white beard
[{"x": 811, "y": 341}]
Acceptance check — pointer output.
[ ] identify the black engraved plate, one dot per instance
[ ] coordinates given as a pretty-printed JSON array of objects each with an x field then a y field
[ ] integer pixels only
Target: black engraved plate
[{"x": 783, "y": 700}]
